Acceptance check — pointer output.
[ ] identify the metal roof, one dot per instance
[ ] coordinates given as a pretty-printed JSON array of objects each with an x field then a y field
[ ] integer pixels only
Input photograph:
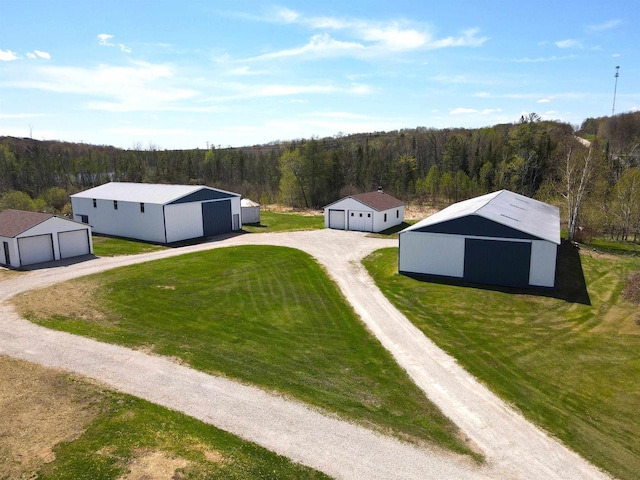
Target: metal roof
[
  {"x": 245, "y": 203},
  {"x": 506, "y": 208},
  {"x": 143, "y": 192},
  {"x": 14, "y": 222},
  {"x": 378, "y": 200}
]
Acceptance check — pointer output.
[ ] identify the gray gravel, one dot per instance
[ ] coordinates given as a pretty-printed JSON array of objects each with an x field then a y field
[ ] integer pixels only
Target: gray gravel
[{"x": 514, "y": 448}]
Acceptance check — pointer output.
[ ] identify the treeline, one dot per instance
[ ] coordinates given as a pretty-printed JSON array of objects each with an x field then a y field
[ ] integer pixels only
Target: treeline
[{"x": 438, "y": 166}]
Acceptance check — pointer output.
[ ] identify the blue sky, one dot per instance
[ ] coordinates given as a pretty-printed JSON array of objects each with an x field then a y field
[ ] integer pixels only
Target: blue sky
[{"x": 188, "y": 74}]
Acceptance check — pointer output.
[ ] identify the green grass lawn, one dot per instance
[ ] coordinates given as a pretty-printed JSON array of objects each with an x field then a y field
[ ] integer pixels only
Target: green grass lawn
[
  {"x": 265, "y": 315},
  {"x": 285, "y": 222},
  {"x": 572, "y": 368},
  {"x": 112, "y": 246},
  {"x": 127, "y": 429}
]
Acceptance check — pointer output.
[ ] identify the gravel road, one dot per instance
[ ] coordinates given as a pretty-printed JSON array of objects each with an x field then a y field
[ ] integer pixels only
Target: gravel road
[{"x": 514, "y": 448}]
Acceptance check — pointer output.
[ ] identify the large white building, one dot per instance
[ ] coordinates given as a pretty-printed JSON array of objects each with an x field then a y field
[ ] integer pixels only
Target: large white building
[
  {"x": 501, "y": 238},
  {"x": 28, "y": 238},
  {"x": 158, "y": 213},
  {"x": 364, "y": 212}
]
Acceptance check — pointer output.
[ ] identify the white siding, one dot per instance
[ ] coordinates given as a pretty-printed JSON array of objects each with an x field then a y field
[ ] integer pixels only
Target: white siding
[
  {"x": 127, "y": 221},
  {"x": 542, "y": 270},
  {"x": 250, "y": 214},
  {"x": 12, "y": 244},
  {"x": 184, "y": 221},
  {"x": 395, "y": 216},
  {"x": 236, "y": 209},
  {"x": 432, "y": 254}
]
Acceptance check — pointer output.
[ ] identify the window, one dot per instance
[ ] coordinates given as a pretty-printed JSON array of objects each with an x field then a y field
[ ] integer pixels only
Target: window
[
  {"x": 115, "y": 204},
  {"x": 141, "y": 207},
  {"x": 397, "y": 213},
  {"x": 369, "y": 215},
  {"x": 84, "y": 218},
  {"x": 360, "y": 215},
  {"x": 385, "y": 217},
  {"x": 94, "y": 203},
  {"x": 352, "y": 214}
]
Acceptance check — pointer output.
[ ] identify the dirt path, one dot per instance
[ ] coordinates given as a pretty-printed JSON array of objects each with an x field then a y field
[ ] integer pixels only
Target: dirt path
[{"x": 514, "y": 448}]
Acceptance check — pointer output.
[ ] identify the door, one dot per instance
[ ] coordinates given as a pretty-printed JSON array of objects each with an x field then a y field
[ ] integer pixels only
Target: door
[
  {"x": 74, "y": 243},
  {"x": 216, "y": 217},
  {"x": 7, "y": 257},
  {"x": 35, "y": 249},
  {"x": 236, "y": 221},
  {"x": 336, "y": 219},
  {"x": 497, "y": 262}
]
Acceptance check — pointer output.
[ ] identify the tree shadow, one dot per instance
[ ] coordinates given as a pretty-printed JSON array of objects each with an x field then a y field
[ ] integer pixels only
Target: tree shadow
[{"x": 570, "y": 283}]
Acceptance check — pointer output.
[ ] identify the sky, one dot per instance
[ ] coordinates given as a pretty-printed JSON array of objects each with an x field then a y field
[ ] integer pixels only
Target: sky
[{"x": 194, "y": 74}]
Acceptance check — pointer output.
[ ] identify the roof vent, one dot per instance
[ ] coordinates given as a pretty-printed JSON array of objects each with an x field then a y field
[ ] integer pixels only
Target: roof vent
[{"x": 380, "y": 190}]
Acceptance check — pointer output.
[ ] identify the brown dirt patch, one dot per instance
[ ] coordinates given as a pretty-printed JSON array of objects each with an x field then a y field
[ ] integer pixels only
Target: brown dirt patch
[
  {"x": 39, "y": 408},
  {"x": 5, "y": 273},
  {"x": 155, "y": 465},
  {"x": 419, "y": 212},
  {"x": 632, "y": 289},
  {"x": 307, "y": 212},
  {"x": 74, "y": 299}
]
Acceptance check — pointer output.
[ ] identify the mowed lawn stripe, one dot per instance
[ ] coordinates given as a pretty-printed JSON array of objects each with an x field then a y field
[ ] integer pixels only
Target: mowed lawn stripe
[
  {"x": 572, "y": 368},
  {"x": 269, "y": 316}
]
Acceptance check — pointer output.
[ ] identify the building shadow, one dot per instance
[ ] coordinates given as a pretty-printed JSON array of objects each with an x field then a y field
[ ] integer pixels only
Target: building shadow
[
  {"x": 65, "y": 262},
  {"x": 570, "y": 283}
]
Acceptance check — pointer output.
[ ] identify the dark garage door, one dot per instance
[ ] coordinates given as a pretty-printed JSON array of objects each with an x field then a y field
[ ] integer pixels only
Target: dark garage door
[
  {"x": 216, "y": 217},
  {"x": 497, "y": 262}
]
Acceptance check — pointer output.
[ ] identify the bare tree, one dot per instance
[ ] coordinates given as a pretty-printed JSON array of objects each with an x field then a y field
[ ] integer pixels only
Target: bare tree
[{"x": 578, "y": 173}]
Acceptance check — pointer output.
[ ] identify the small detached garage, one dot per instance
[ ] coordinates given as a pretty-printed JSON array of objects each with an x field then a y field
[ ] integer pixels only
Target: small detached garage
[
  {"x": 364, "y": 212},
  {"x": 158, "y": 213},
  {"x": 250, "y": 211},
  {"x": 501, "y": 238},
  {"x": 27, "y": 238}
]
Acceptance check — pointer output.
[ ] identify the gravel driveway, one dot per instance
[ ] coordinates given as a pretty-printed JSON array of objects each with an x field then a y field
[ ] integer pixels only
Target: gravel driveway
[{"x": 514, "y": 448}]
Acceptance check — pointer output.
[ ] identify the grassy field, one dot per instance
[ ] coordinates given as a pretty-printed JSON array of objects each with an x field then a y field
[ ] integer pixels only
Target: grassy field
[
  {"x": 111, "y": 246},
  {"x": 269, "y": 316},
  {"x": 569, "y": 362},
  {"x": 285, "y": 222},
  {"x": 67, "y": 428}
]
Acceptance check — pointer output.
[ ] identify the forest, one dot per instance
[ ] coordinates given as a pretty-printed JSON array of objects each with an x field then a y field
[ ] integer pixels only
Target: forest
[{"x": 592, "y": 172}]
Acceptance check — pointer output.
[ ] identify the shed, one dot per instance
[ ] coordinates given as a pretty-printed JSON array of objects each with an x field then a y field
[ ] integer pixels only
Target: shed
[
  {"x": 501, "y": 238},
  {"x": 27, "y": 238},
  {"x": 250, "y": 211},
  {"x": 156, "y": 212},
  {"x": 364, "y": 212}
]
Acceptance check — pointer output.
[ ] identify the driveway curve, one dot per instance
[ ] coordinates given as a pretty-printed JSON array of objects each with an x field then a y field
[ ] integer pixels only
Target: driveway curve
[{"x": 514, "y": 448}]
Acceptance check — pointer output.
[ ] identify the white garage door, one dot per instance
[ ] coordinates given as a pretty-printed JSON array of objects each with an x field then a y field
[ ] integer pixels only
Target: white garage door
[
  {"x": 336, "y": 219},
  {"x": 361, "y": 220},
  {"x": 35, "y": 249},
  {"x": 74, "y": 243}
]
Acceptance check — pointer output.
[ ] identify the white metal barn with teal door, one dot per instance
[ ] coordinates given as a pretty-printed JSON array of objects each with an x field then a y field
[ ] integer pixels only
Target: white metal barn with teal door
[
  {"x": 156, "y": 212},
  {"x": 501, "y": 238},
  {"x": 29, "y": 238},
  {"x": 364, "y": 212}
]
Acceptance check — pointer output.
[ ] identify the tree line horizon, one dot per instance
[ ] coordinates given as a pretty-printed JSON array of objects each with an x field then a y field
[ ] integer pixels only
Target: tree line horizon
[{"x": 592, "y": 173}]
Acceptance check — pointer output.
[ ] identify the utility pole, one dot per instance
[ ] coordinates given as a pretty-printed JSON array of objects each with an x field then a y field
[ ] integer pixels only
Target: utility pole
[{"x": 615, "y": 89}]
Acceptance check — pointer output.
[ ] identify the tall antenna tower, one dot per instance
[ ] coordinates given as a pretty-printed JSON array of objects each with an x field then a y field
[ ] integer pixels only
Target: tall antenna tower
[{"x": 615, "y": 89}]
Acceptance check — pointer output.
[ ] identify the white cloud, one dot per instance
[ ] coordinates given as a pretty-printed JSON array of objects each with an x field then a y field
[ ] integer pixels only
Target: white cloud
[
  {"x": 246, "y": 71},
  {"x": 568, "y": 43},
  {"x": 615, "y": 55},
  {"x": 104, "y": 39},
  {"x": 552, "y": 58},
  {"x": 373, "y": 36},
  {"x": 463, "y": 111},
  {"x": 7, "y": 56},
  {"x": 604, "y": 26},
  {"x": 38, "y": 54},
  {"x": 544, "y": 100},
  {"x": 319, "y": 46},
  {"x": 138, "y": 87}
]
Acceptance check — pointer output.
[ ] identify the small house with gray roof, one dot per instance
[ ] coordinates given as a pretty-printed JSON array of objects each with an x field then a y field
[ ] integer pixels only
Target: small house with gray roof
[
  {"x": 365, "y": 212},
  {"x": 501, "y": 238},
  {"x": 28, "y": 238},
  {"x": 156, "y": 212}
]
